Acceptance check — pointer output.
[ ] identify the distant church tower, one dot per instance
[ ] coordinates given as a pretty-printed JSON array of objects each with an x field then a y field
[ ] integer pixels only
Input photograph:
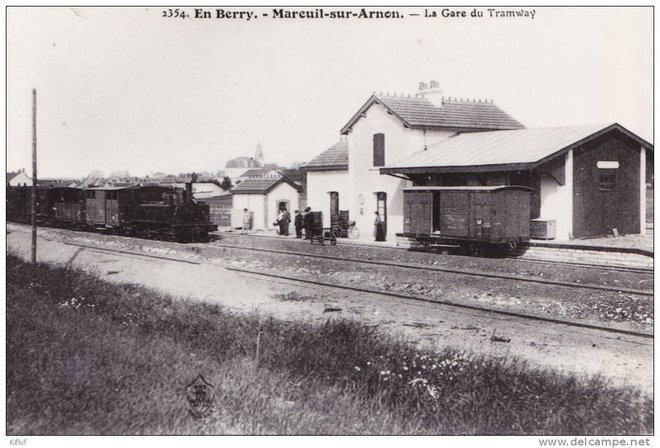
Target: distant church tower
[{"x": 259, "y": 155}]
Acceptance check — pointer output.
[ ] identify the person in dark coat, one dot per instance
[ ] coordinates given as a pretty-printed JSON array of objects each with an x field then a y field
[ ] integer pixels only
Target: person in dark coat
[
  {"x": 298, "y": 223},
  {"x": 307, "y": 223},
  {"x": 284, "y": 222},
  {"x": 379, "y": 228}
]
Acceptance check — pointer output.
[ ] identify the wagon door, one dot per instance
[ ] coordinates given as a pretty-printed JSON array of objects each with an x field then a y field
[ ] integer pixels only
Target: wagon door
[
  {"x": 417, "y": 212},
  {"x": 481, "y": 221},
  {"x": 454, "y": 213},
  {"x": 111, "y": 208},
  {"x": 95, "y": 206}
]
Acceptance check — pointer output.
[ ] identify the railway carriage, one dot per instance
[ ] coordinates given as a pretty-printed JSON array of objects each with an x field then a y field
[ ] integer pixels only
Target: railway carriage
[
  {"x": 474, "y": 218},
  {"x": 151, "y": 211},
  {"x": 68, "y": 206}
]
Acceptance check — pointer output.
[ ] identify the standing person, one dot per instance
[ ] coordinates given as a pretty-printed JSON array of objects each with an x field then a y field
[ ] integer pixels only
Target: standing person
[
  {"x": 246, "y": 220},
  {"x": 379, "y": 228},
  {"x": 278, "y": 222},
  {"x": 284, "y": 223},
  {"x": 307, "y": 223},
  {"x": 298, "y": 223}
]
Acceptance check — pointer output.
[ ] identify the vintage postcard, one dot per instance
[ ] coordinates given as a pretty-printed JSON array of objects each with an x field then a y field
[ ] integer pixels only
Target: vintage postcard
[{"x": 330, "y": 220}]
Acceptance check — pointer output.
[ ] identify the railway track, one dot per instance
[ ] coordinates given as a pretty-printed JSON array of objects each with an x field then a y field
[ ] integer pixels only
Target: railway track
[
  {"x": 409, "y": 297},
  {"x": 601, "y": 267},
  {"x": 468, "y": 272}
]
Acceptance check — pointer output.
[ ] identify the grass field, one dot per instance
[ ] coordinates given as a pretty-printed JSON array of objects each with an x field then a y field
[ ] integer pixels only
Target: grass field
[{"x": 88, "y": 357}]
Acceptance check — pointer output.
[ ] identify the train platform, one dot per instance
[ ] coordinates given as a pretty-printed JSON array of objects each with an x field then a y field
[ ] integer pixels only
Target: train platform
[{"x": 628, "y": 250}]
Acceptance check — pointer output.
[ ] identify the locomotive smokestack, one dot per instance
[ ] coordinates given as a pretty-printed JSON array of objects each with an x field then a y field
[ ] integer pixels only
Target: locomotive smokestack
[{"x": 189, "y": 188}]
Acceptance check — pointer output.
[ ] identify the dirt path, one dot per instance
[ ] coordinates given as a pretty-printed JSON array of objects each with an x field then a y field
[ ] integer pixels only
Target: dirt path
[{"x": 622, "y": 359}]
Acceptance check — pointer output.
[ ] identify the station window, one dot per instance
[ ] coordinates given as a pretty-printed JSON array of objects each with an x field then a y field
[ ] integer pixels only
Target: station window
[
  {"x": 607, "y": 180},
  {"x": 379, "y": 149}
]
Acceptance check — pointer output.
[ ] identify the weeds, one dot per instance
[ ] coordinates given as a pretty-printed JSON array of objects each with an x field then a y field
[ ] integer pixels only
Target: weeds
[{"x": 86, "y": 356}]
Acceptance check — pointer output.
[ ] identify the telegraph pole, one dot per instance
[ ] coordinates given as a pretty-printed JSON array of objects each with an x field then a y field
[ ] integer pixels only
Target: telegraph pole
[{"x": 34, "y": 175}]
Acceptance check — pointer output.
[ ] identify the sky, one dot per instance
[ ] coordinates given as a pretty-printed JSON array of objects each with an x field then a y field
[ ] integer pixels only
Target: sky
[{"x": 129, "y": 89}]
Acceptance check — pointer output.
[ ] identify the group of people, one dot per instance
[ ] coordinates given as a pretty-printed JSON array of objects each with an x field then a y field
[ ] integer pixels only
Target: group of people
[
  {"x": 305, "y": 221},
  {"x": 301, "y": 221}
]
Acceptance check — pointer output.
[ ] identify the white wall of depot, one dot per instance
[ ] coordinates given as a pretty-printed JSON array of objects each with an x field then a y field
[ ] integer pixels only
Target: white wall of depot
[
  {"x": 319, "y": 186},
  {"x": 365, "y": 180}
]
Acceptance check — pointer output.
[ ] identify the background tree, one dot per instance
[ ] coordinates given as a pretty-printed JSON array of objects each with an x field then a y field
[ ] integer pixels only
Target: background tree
[{"x": 226, "y": 183}]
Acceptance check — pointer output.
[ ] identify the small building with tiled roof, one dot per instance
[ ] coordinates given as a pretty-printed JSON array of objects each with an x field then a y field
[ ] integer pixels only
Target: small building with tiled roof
[{"x": 263, "y": 197}]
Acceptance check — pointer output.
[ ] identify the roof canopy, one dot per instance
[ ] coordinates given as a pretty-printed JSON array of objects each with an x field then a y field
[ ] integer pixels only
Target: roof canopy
[
  {"x": 470, "y": 188},
  {"x": 522, "y": 149},
  {"x": 460, "y": 115}
]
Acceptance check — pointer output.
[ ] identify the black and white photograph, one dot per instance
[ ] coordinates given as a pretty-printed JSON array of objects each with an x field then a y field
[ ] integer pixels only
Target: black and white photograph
[{"x": 329, "y": 221}]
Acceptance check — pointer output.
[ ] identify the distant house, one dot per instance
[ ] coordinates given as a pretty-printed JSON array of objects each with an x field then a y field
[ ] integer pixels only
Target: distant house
[
  {"x": 262, "y": 172},
  {"x": 236, "y": 167},
  {"x": 201, "y": 190},
  {"x": 70, "y": 183},
  {"x": 18, "y": 179},
  {"x": 263, "y": 197}
]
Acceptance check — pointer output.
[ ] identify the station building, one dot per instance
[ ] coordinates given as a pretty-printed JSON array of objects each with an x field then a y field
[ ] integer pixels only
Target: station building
[{"x": 587, "y": 180}]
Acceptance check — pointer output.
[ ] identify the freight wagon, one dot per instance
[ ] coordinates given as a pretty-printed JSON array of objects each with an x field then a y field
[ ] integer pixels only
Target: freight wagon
[{"x": 477, "y": 219}]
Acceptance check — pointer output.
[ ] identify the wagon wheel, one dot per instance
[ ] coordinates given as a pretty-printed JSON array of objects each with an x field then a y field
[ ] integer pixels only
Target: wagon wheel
[
  {"x": 474, "y": 250},
  {"x": 333, "y": 241},
  {"x": 513, "y": 244},
  {"x": 336, "y": 232}
]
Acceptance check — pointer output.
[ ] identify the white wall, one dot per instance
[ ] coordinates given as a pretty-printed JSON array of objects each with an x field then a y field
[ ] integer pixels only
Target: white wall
[
  {"x": 365, "y": 180},
  {"x": 282, "y": 192},
  {"x": 319, "y": 186},
  {"x": 557, "y": 200},
  {"x": 264, "y": 207},
  {"x": 254, "y": 203}
]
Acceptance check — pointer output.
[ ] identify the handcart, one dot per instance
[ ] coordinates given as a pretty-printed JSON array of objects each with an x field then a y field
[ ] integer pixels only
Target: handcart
[{"x": 323, "y": 234}]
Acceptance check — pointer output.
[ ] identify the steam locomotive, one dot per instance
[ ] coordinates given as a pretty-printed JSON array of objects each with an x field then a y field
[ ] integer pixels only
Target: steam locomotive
[{"x": 142, "y": 211}]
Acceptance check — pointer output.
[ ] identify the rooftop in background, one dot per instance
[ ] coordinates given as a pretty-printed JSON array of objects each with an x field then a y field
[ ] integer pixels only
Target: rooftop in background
[
  {"x": 419, "y": 112},
  {"x": 261, "y": 172},
  {"x": 243, "y": 162},
  {"x": 333, "y": 158},
  {"x": 503, "y": 150},
  {"x": 262, "y": 185}
]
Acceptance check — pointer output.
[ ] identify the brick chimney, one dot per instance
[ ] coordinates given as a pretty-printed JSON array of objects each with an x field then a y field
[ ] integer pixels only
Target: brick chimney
[{"x": 431, "y": 92}]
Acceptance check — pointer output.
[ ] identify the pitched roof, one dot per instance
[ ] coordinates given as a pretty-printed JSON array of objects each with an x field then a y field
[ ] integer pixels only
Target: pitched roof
[
  {"x": 419, "y": 112},
  {"x": 258, "y": 172},
  {"x": 262, "y": 185},
  {"x": 333, "y": 158},
  {"x": 500, "y": 150}
]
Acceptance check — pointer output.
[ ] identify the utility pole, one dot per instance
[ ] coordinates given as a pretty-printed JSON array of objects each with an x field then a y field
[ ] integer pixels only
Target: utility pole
[{"x": 34, "y": 175}]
